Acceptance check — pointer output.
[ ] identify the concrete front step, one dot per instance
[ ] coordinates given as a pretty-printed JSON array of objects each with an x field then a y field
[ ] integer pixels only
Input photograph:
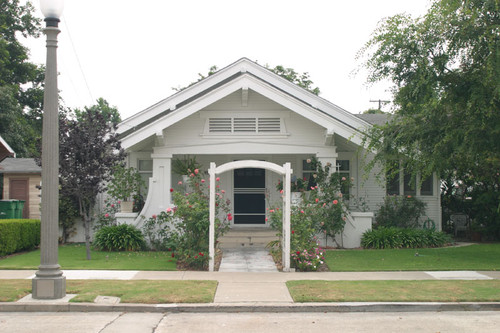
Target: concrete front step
[{"x": 247, "y": 237}]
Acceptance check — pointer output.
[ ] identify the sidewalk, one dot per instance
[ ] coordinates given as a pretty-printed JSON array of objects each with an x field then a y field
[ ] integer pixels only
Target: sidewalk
[{"x": 250, "y": 292}]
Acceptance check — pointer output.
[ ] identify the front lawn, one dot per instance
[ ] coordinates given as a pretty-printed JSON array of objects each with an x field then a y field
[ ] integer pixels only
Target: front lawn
[
  {"x": 134, "y": 291},
  {"x": 395, "y": 291},
  {"x": 73, "y": 257},
  {"x": 474, "y": 257}
]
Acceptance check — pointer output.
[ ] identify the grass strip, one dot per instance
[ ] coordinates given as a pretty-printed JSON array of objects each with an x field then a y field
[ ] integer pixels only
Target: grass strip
[
  {"x": 73, "y": 256},
  {"x": 395, "y": 291},
  {"x": 133, "y": 291},
  {"x": 473, "y": 257}
]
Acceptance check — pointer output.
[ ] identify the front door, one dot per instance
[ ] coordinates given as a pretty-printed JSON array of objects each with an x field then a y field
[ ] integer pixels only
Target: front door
[{"x": 249, "y": 196}]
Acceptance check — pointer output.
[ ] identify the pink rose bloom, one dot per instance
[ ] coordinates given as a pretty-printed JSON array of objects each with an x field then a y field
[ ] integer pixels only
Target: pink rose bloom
[
  {"x": 218, "y": 186},
  {"x": 112, "y": 205},
  {"x": 169, "y": 210},
  {"x": 191, "y": 175},
  {"x": 196, "y": 171},
  {"x": 281, "y": 191},
  {"x": 335, "y": 202},
  {"x": 203, "y": 180},
  {"x": 271, "y": 211},
  {"x": 106, "y": 215},
  {"x": 179, "y": 183},
  {"x": 119, "y": 202},
  {"x": 302, "y": 211},
  {"x": 154, "y": 216},
  {"x": 223, "y": 191},
  {"x": 217, "y": 179},
  {"x": 266, "y": 219},
  {"x": 317, "y": 200},
  {"x": 343, "y": 178}
]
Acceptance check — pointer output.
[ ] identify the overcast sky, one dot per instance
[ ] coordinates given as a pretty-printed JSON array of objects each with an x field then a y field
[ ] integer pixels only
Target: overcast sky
[{"x": 133, "y": 52}]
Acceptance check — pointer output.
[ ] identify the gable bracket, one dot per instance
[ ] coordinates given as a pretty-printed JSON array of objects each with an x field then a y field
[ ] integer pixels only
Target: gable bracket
[
  {"x": 244, "y": 96},
  {"x": 329, "y": 137}
]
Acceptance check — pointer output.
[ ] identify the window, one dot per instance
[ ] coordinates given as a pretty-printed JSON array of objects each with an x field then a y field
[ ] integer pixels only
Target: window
[
  {"x": 426, "y": 187},
  {"x": 409, "y": 185},
  {"x": 145, "y": 168},
  {"x": 244, "y": 125},
  {"x": 308, "y": 173},
  {"x": 392, "y": 184},
  {"x": 343, "y": 168}
]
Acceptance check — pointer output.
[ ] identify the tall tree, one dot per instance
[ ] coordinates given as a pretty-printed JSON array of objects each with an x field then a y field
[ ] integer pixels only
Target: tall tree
[
  {"x": 21, "y": 94},
  {"x": 301, "y": 79},
  {"x": 89, "y": 149},
  {"x": 445, "y": 67}
]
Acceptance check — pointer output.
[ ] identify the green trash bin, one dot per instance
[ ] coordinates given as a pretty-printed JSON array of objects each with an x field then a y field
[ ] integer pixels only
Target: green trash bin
[
  {"x": 8, "y": 209},
  {"x": 19, "y": 209}
]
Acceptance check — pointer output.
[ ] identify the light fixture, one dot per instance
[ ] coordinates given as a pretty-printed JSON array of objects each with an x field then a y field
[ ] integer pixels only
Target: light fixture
[{"x": 52, "y": 10}]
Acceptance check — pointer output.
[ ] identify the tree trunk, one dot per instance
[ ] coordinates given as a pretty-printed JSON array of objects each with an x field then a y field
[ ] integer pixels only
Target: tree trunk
[
  {"x": 86, "y": 224},
  {"x": 85, "y": 212}
]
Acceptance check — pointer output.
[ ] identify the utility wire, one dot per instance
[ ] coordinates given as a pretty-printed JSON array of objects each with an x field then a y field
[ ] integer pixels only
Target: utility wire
[{"x": 79, "y": 63}]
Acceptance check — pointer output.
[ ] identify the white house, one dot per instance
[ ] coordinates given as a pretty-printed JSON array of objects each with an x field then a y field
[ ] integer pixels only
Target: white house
[{"x": 246, "y": 112}]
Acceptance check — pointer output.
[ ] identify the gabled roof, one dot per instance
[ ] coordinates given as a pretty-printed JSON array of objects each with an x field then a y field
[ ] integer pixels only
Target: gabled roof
[
  {"x": 242, "y": 74},
  {"x": 375, "y": 119},
  {"x": 5, "y": 150},
  {"x": 19, "y": 165}
]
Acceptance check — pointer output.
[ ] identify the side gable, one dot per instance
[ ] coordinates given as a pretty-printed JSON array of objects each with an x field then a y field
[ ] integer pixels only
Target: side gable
[{"x": 241, "y": 75}]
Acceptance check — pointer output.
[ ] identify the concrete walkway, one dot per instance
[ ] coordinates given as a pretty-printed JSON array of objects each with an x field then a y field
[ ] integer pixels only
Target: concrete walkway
[{"x": 250, "y": 288}]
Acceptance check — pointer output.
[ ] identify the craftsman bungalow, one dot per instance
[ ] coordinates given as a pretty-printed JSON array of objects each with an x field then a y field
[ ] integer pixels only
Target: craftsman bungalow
[{"x": 246, "y": 112}]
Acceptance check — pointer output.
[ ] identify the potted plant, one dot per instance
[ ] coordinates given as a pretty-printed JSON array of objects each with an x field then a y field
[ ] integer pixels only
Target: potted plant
[
  {"x": 126, "y": 183},
  {"x": 185, "y": 166}
]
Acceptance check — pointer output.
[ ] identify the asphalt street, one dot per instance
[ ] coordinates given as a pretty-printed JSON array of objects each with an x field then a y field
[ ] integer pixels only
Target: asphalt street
[{"x": 76, "y": 322}]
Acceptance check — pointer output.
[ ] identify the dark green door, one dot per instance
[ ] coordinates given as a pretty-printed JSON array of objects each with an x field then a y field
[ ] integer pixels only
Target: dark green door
[{"x": 249, "y": 196}]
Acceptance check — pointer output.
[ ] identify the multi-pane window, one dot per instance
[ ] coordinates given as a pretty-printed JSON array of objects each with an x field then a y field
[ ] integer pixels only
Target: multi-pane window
[
  {"x": 343, "y": 168},
  {"x": 409, "y": 185},
  {"x": 426, "y": 187},
  {"x": 145, "y": 168}
]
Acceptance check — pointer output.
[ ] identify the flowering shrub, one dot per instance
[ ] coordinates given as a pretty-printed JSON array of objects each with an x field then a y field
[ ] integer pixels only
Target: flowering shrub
[
  {"x": 308, "y": 260},
  {"x": 107, "y": 216},
  {"x": 321, "y": 210},
  {"x": 185, "y": 228},
  {"x": 156, "y": 230}
]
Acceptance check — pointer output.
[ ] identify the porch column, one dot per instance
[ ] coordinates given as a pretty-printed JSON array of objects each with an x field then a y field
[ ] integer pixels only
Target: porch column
[{"x": 328, "y": 157}]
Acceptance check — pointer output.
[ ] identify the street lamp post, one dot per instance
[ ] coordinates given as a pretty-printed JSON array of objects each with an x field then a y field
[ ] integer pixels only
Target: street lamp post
[{"x": 49, "y": 282}]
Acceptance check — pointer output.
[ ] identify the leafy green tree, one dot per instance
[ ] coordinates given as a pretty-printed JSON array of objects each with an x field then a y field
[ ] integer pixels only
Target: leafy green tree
[
  {"x": 445, "y": 67},
  {"x": 21, "y": 94},
  {"x": 89, "y": 150},
  {"x": 302, "y": 80}
]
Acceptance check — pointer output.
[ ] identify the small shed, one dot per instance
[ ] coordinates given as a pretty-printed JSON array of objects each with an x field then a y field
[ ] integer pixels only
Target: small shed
[{"x": 22, "y": 179}]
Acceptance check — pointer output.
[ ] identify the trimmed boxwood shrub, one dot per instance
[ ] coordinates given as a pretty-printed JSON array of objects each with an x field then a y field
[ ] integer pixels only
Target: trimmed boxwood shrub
[
  {"x": 395, "y": 238},
  {"x": 18, "y": 235},
  {"x": 123, "y": 237}
]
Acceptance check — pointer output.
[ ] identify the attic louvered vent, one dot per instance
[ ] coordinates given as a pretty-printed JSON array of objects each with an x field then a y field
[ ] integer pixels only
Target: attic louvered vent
[
  {"x": 269, "y": 125},
  {"x": 220, "y": 125},
  {"x": 244, "y": 125}
]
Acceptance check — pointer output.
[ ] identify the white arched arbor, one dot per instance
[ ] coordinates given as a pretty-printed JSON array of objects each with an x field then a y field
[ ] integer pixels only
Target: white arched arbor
[{"x": 285, "y": 171}]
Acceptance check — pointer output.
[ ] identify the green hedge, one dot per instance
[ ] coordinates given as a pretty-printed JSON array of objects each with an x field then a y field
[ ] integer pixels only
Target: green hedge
[
  {"x": 18, "y": 235},
  {"x": 395, "y": 238}
]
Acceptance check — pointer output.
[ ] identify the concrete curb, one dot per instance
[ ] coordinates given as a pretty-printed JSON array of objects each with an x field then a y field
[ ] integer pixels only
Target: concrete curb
[{"x": 250, "y": 307}]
